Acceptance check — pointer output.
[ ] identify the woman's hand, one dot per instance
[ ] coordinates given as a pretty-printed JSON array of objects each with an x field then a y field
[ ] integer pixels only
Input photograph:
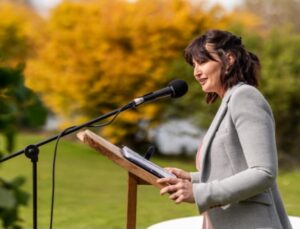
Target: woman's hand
[
  {"x": 179, "y": 188},
  {"x": 179, "y": 173}
]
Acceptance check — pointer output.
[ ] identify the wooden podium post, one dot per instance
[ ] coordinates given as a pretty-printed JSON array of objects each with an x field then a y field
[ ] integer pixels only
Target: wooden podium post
[{"x": 136, "y": 175}]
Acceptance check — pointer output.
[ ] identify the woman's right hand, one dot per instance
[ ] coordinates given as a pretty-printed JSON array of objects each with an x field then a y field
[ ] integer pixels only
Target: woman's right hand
[
  {"x": 179, "y": 173},
  {"x": 179, "y": 188}
]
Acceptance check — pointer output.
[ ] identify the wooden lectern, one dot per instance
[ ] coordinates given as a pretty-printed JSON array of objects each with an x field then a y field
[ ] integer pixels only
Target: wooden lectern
[{"x": 136, "y": 175}]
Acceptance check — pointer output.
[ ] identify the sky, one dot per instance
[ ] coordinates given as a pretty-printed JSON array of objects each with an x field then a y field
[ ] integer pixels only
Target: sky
[
  {"x": 227, "y": 4},
  {"x": 43, "y": 5}
]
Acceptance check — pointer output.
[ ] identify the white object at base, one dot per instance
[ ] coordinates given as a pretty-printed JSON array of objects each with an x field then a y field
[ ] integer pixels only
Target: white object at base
[{"x": 195, "y": 222}]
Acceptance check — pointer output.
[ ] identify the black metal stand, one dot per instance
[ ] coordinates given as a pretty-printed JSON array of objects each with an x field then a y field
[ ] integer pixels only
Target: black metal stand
[{"x": 32, "y": 151}]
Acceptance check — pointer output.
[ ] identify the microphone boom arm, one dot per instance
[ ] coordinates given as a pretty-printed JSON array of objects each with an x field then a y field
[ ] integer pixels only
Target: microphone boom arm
[{"x": 72, "y": 130}]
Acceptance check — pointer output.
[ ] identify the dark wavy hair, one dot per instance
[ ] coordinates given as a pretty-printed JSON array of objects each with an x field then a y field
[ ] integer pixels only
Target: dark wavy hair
[{"x": 246, "y": 67}]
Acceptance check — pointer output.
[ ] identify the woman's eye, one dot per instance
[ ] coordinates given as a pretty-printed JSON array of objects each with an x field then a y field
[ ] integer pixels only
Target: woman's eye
[{"x": 202, "y": 61}]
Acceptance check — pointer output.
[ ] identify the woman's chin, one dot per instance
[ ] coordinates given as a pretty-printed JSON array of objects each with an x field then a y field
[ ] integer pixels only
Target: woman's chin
[{"x": 204, "y": 89}]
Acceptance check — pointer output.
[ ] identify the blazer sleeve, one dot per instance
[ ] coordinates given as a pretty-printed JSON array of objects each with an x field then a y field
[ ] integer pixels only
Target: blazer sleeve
[
  {"x": 195, "y": 177},
  {"x": 254, "y": 124}
]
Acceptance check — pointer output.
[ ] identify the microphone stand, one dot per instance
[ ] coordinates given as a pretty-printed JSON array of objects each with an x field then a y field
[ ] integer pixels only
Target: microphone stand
[{"x": 32, "y": 152}]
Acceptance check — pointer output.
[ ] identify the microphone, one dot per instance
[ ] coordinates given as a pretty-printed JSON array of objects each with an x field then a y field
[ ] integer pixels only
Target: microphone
[{"x": 175, "y": 89}]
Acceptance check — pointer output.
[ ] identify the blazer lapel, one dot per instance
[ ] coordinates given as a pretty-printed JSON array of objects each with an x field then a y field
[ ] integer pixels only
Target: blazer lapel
[
  {"x": 214, "y": 126},
  {"x": 210, "y": 134}
]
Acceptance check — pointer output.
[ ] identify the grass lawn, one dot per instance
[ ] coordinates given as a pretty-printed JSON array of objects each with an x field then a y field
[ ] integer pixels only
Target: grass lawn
[{"x": 91, "y": 191}]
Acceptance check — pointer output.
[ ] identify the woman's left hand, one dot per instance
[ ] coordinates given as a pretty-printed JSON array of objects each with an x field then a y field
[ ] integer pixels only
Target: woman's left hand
[{"x": 180, "y": 190}]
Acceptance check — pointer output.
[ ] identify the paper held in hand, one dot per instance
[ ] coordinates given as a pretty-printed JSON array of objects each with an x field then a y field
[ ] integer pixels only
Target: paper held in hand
[{"x": 142, "y": 162}]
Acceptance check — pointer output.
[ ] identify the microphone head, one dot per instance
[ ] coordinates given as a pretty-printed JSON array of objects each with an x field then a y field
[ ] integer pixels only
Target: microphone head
[{"x": 179, "y": 88}]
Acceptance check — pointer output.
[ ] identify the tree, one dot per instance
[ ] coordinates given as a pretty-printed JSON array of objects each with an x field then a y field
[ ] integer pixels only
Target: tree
[
  {"x": 277, "y": 44},
  {"x": 115, "y": 51},
  {"x": 19, "y": 106},
  {"x": 11, "y": 198},
  {"x": 281, "y": 84},
  {"x": 275, "y": 13}
]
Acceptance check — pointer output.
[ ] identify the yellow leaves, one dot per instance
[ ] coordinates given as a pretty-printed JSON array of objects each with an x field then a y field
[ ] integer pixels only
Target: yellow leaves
[
  {"x": 130, "y": 115},
  {"x": 13, "y": 14},
  {"x": 114, "y": 134},
  {"x": 246, "y": 19},
  {"x": 95, "y": 56},
  {"x": 15, "y": 30}
]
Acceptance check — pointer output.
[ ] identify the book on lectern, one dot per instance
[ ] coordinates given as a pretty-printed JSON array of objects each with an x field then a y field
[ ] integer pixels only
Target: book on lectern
[{"x": 144, "y": 163}]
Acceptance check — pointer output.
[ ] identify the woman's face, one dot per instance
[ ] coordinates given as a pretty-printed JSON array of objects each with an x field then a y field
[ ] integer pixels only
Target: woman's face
[{"x": 208, "y": 74}]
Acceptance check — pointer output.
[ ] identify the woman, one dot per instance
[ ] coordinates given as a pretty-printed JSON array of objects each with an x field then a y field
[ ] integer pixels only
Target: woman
[{"x": 235, "y": 185}]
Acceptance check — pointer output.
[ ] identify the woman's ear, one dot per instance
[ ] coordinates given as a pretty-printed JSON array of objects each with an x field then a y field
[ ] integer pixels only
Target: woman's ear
[{"x": 230, "y": 59}]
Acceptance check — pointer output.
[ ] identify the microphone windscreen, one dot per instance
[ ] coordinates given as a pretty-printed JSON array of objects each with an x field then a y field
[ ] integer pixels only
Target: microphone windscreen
[{"x": 180, "y": 87}]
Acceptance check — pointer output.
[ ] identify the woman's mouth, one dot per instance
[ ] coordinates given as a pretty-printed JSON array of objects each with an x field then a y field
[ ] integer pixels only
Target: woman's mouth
[{"x": 202, "y": 81}]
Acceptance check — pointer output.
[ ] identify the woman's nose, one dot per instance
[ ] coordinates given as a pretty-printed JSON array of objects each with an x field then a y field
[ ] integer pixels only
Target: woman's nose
[{"x": 197, "y": 70}]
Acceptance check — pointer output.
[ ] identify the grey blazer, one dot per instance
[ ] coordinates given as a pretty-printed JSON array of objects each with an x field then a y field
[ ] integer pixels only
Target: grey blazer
[{"x": 236, "y": 183}]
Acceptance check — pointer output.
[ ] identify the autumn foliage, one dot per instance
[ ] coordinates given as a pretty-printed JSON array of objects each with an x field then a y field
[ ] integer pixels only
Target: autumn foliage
[
  {"x": 88, "y": 57},
  {"x": 95, "y": 56},
  {"x": 19, "y": 106}
]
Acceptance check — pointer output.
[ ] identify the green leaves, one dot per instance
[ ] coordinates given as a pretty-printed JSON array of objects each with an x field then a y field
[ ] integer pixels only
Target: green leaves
[
  {"x": 11, "y": 198},
  {"x": 7, "y": 199},
  {"x": 281, "y": 85},
  {"x": 19, "y": 106}
]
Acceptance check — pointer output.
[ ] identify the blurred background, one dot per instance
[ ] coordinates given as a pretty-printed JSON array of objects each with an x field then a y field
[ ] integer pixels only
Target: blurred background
[{"x": 65, "y": 62}]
